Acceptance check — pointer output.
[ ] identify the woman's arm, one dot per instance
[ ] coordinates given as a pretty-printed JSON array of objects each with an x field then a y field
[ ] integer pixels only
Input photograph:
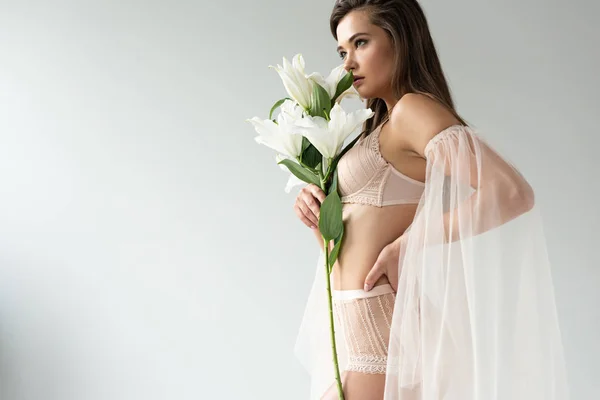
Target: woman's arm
[
  {"x": 512, "y": 204},
  {"x": 499, "y": 192},
  {"x": 434, "y": 133}
]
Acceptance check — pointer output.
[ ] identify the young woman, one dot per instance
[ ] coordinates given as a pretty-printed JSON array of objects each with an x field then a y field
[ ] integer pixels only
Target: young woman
[{"x": 442, "y": 288}]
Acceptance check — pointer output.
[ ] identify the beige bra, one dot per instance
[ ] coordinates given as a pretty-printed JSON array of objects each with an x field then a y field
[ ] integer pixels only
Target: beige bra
[{"x": 365, "y": 177}]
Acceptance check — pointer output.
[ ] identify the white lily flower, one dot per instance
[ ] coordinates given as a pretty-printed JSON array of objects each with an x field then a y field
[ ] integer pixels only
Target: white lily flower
[
  {"x": 293, "y": 181},
  {"x": 297, "y": 84},
  {"x": 331, "y": 82},
  {"x": 329, "y": 136},
  {"x": 283, "y": 136},
  {"x": 289, "y": 113}
]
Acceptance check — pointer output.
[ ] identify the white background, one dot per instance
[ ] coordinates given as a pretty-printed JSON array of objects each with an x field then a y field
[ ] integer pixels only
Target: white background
[{"x": 147, "y": 248}]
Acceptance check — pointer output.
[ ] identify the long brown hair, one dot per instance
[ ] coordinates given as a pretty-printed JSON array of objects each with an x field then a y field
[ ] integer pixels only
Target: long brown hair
[{"x": 417, "y": 66}]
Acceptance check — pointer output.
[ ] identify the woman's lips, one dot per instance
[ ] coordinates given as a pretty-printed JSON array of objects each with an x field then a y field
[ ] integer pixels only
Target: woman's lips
[{"x": 358, "y": 81}]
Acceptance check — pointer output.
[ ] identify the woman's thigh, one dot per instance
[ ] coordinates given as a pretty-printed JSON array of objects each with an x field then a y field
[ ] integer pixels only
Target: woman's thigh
[{"x": 358, "y": 386}]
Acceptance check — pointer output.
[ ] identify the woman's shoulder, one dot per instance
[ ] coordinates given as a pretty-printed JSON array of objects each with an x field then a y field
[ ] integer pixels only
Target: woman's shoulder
[{"x": 417, "y": 118}]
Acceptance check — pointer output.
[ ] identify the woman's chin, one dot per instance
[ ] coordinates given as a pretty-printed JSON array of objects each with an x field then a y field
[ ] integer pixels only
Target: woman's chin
[{"x": 364, "y": 95}]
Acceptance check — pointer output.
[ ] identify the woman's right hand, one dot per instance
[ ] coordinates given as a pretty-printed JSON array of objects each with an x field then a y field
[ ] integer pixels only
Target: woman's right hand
[{"x": 308, "y": 205}]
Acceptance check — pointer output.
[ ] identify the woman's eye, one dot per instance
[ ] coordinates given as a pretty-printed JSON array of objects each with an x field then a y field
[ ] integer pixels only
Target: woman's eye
[{"x": 343, "y": 53}]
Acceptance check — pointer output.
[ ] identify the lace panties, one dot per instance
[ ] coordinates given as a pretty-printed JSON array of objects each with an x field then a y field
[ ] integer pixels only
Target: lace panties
[{"x": 365, "y": 319}]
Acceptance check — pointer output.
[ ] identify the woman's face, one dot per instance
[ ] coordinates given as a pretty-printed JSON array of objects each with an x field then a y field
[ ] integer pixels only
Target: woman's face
[{"x": 367, "y": 50}]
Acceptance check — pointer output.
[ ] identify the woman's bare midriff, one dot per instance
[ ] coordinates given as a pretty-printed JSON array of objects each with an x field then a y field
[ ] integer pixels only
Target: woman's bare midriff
[{"x": 367, "y": 230}]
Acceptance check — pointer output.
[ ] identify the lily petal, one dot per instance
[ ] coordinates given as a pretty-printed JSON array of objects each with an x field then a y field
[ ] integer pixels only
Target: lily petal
[
  {"x": 283, "y": 139},
  {"x": 329, "y": 136},
  {"x": 316, "y": 130},
  {"x": 293, "y": 181}
]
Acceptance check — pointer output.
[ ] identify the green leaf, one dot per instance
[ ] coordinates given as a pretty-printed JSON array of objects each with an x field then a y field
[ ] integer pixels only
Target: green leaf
[
  {"x": 343, "y": 85},
  {"x": 277, "y": 104},
  {"x": 320, "y": 102},
  {"x": 311, "y": 156},
  {"x": 305, "y": 143},
  {"x": 334, "y": 181},
  {"x": 330, "y": 218},
  {"x": 301, "y": 173},
  {"x": 336, "y": 249}
]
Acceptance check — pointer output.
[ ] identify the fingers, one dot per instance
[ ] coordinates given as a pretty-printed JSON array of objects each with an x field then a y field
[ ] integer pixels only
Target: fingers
[
  {"x": 308, "y": 205},
  {"x": 387, "y": 264},
  {"x": 313, "y": 198},
  {"x": 393, "y": 273},
  {"x": 312, "y": 206},
  {"x": 305, "y": 215},
  {"x": 392, "y": 276},
  {"x": 374, "y": 274},
  {"x": 317, "y": 192}
]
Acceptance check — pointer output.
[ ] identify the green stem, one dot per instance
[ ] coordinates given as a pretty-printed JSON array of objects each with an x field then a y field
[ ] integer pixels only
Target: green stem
[
  {"x": 331, "y": 325},
  {"x": 331, "y": 320}
]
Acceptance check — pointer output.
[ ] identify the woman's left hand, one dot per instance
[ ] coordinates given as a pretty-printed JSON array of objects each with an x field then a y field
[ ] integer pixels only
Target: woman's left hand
[{"x": 387, "y": 264}]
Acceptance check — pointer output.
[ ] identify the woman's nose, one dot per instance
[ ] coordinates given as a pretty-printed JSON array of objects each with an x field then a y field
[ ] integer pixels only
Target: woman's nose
[
  {"x": 349, "y": 65},
  {"x": 349, "y": 62}
]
